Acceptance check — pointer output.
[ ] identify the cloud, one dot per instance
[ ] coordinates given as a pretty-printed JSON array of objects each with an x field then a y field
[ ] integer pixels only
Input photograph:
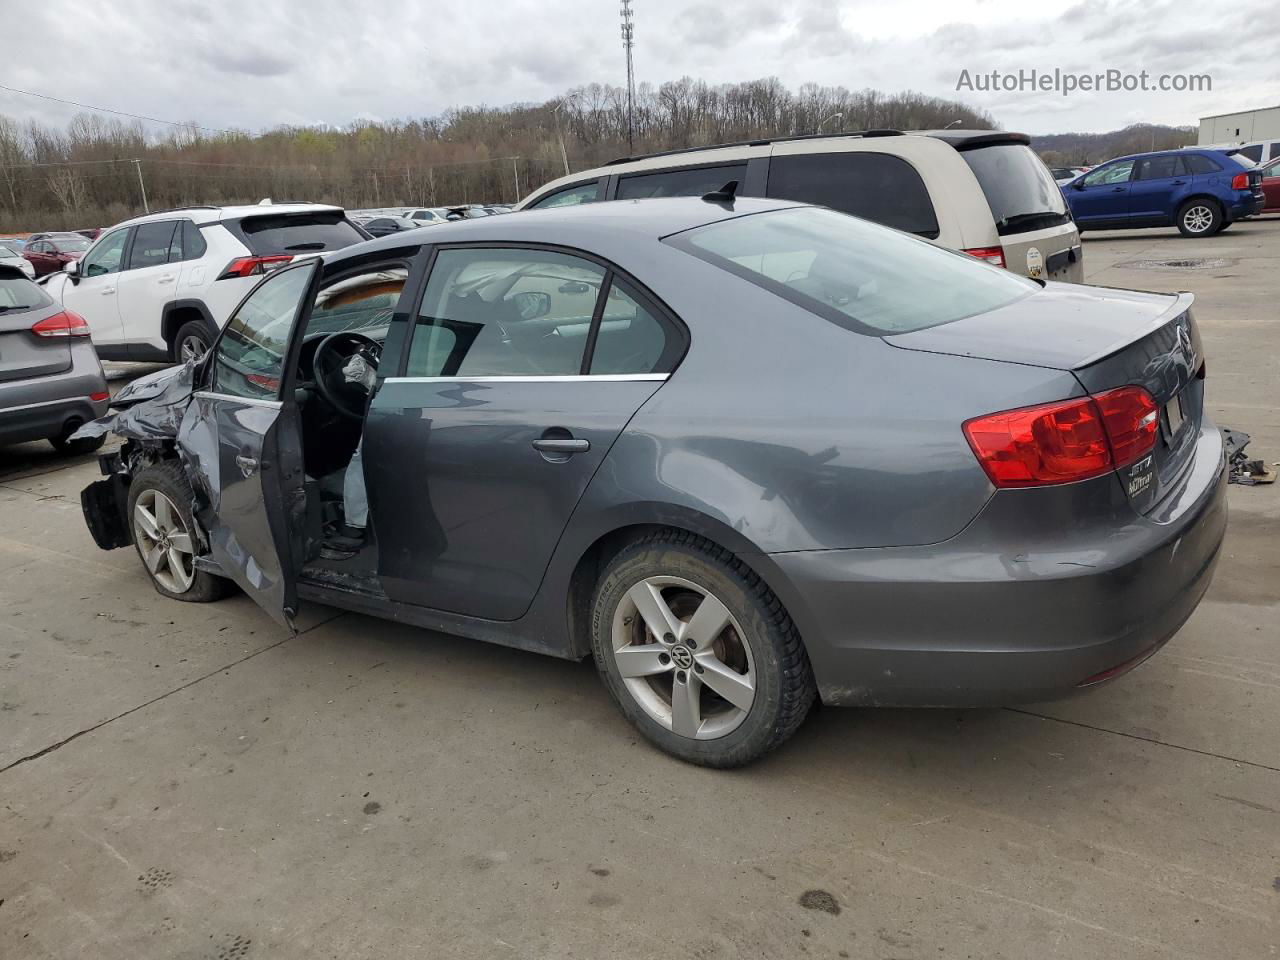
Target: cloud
[{"x": 250, "y": 65}]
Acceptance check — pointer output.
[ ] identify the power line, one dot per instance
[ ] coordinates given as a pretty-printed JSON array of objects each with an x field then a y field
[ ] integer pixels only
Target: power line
[{"x": 119, "y": 113}]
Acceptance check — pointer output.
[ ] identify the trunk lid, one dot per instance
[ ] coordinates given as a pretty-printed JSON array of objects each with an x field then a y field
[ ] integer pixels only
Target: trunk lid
[
  {"x": 24, "y": 355},
  {"x": 1107, "y": 339}
]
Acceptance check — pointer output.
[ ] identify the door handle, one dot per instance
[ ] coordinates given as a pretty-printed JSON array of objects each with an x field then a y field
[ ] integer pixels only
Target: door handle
[
  {"x": 107, "y": 291},
  {"x": 1178, "y": 183},
  {"x": 248, "y": 465},
  {"x": 167, "y": 278},
  {"x": 561, "y": 445},
  {"x": 1117, "y": 189}
]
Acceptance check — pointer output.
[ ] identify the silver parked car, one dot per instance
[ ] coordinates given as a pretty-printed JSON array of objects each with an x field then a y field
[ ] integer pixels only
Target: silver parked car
[
  {"x": 51, "y": 382},
  {"x": 747, "y": 454},
  {"x": 11, "y": 256}
]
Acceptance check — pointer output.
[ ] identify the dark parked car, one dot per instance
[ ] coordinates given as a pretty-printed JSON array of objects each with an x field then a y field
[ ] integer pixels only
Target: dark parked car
[
  {"x": 384, "y": 226},
  {"x": 1271, "y": 186},
  {"x": 1198, "y": 191},
  {"x": 51, "y": 382},
  {"x": 747, "y": 454},
  {"x": 53, "y": 252}
]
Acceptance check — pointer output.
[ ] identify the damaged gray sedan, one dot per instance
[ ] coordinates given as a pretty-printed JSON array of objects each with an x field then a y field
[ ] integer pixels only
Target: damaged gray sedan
[{"x": 746, "y": 454}]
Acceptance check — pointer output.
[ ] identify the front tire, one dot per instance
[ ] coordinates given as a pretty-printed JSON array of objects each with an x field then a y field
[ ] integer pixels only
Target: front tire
[
  {"x": 164, "y": 534},
  {"x": 697, "y": 652},
  {"x": 1199, "y": 218}
]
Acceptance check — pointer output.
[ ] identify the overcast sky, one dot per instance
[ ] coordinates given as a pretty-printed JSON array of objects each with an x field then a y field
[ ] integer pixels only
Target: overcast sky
[{"x": 256, "y": 65}]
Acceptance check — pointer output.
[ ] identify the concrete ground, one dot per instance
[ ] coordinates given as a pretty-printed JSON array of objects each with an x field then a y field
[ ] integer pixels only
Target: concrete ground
[{"x": 188, "y": 781}]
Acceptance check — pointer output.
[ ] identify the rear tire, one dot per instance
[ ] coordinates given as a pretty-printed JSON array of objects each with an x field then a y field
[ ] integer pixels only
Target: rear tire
[
  {"x": 192, "y": 340},
  {"x": 727, "y": 679},
  {"x": 75, "y": 448},
  {"x": 164, "y": 535},
  {"x": 1199, "y": 218}
]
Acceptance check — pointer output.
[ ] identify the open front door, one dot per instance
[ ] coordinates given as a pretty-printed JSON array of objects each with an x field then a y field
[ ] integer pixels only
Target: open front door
[{"x": 241, "y": 437}]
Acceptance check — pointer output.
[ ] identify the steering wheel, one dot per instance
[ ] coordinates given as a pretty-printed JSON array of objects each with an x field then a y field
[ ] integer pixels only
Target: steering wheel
[{"x": 349, "y": 399}]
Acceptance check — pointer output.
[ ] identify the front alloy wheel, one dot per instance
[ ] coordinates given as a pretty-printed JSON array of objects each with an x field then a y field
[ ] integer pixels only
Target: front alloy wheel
[{"x": 163, "y": 541}]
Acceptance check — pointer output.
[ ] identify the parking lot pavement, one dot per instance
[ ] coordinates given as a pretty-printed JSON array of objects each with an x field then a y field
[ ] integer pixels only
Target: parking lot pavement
[{"x": 182, "y": 780}]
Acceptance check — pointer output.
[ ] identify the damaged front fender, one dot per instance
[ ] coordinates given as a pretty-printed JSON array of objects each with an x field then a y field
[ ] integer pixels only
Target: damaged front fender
[{"x": 149, "y": 408}]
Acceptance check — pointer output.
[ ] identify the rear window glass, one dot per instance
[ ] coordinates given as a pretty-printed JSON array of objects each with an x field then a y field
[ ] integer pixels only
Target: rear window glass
[
  {"x": 874, "y": 186},
  {"x": 19, "y": 293},
  {"x": 570, "y": 196},
  {"x": 1199, "y": 163},
  {"x": 296, "y": 232},
  {"x": 151, "y": 243},
  {"x": 854, "y": 273},
  {"x": 1253, "y": 152},
  {"x": 684, "y": 182},
  {"x": 1019, "y": 189}
]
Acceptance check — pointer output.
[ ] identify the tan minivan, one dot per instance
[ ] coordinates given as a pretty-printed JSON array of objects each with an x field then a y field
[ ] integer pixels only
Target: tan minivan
[{"x": 982, "y": 192}]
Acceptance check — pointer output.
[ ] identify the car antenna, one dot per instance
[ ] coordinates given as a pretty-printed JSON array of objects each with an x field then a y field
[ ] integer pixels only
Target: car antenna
[{"x": 723, "y": 195}]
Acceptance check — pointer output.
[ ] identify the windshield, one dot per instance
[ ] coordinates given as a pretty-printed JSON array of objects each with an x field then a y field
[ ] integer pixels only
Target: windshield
[
  {"x": 6, "y": 251},
  {"x": 1021, "y": 192},
  {"x": 70, "y": 244},
  {"x": 855, "y": 273}
]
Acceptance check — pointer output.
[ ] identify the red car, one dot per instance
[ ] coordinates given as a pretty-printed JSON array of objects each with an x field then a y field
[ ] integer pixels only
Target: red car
[
  {"x": 1271, "y": 186},
  {"x": 54, "y": 252}
]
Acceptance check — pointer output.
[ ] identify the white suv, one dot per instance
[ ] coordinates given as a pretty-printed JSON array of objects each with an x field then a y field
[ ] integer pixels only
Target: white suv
[
  {"x": 983, "y": 192},
  {"x": 160, "y": 287}
]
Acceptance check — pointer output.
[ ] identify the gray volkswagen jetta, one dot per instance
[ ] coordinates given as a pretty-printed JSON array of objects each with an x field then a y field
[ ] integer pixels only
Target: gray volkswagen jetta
[
  {"x": 746, "y": 454},
  {"x": 51, "y": 382}
]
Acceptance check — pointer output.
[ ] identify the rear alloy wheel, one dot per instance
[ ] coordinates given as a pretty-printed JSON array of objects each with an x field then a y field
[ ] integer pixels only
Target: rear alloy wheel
[
  {"x": 697, "y": 652},
  {"x": 1199, "y": 218},
  {"x": 192, "y": 341},
  {"x": 162, "y": 526}
]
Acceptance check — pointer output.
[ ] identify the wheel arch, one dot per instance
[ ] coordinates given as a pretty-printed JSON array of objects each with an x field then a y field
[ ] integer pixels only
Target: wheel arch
[
  {"x": 178, "y": 312},
  {"x": 1200, "y": 195},
  {"x": 591, "y": 553}
]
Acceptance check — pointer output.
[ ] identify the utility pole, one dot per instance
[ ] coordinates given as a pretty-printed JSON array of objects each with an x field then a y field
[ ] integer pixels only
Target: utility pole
[
  {"x": 564, "y": 156},
  {"x": 629, "y": 41},
  {"x": 137, "y": 165},
  {"x": 515, "y": 172}
]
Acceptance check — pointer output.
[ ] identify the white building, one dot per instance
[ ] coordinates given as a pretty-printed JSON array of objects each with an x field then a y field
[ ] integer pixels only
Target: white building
[{"x": 1247, "y": 126}]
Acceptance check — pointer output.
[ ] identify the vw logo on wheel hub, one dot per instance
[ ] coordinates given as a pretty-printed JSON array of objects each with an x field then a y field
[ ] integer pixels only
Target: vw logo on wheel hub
[{"x": 682, "y": 656}]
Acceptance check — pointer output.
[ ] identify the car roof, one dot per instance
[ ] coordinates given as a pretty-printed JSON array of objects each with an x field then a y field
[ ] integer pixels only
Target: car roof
[
  {"x": 210, "y": 214},
  {"x": 606, "y": 229}
]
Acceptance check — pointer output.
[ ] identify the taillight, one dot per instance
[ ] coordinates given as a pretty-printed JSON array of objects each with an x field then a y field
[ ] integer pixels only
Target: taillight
[
  {"x": 1066, "y": 441},
  {"x": 991, "y": 255},
  {"x": 64, "y": 324},
  {"x": 1131, "y": 419},
  {"x": 1240, "y": 181},
  {"x": 99, "y": 397},
  {"x": 254, "y": 266}
]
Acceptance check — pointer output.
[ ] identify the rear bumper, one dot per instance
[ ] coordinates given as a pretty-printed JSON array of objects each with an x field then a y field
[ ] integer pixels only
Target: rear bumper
[
  {"x": 1026, "y": 604},
  {"x": 42, "y": 407},
  {"x": 1246, "y": 205}
]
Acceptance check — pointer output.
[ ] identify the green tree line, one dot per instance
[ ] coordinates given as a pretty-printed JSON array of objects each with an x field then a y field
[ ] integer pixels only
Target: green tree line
[{"x": 87, "y": 174}]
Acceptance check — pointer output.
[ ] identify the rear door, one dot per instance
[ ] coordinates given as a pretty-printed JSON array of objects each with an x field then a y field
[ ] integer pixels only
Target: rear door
[
  {"x": 241, "y": 437},
  {"x": 524, "y": 365},
  {"x": 147, "y": 283},
  {"x": 1101, "y": 197},
  {"x": 1158, "y": 186}
]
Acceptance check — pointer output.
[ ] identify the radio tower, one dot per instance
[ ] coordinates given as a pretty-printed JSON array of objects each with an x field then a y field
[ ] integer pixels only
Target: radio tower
[{"x": 628, "y": 41}]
